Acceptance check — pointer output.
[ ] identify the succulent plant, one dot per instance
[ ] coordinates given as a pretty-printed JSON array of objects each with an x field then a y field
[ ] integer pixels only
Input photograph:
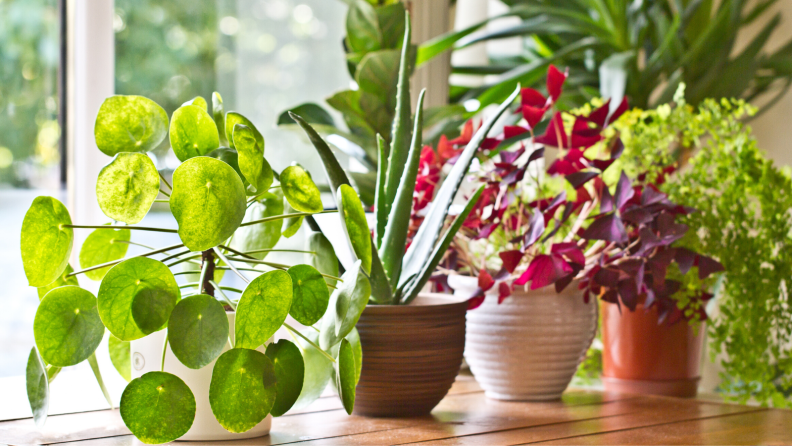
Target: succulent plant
[{"x": 229, "y": 206}]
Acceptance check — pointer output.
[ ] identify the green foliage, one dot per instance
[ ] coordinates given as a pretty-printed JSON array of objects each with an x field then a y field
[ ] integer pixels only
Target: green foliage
[
  {"x": 744, "y": 204},
  {"x": 139, "y": 295},
  {"x": 347, "y": 304},
  {"x": 346, "y": 375},
  {"x": 127, "y": 187},
  {"x": 243, "y": 389},
  {"x": 158, "y": 407},
  {"x": 322, "y": 256},
  {"x": 355, "y": 224}
]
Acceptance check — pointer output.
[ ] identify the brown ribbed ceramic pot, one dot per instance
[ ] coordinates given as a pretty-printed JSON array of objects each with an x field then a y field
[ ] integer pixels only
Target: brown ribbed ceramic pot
[{"x": 411, "y": 355}]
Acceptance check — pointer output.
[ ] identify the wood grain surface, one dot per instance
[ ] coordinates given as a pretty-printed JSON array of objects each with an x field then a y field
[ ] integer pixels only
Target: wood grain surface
[{"x": 467, "y": 417}]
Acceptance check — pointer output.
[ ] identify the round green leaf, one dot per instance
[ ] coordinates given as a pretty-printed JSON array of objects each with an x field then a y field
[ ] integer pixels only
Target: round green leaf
[
  {"x": 324, "y": 258},
  {"x": 243, "y": 389},
  {"x": 346, "y": 305},
  {"x": 262, "y": 309},
  {"x": 310, "y": 294},
  {"x": 289, "y": 372},
  {"x": 120, "y": 356},
  {"x": 234, "y": 118},
  {"x": 262, "y": 235},
  {"x": 292, "y": 224},
  {"x": 129, "y": 124},
  {"x": 59, "y": 282},
  {"x": 230, "y": 157},
  {"x": 127, "y": 187},
  {"x": 346, "y": 375},
  {"x": 158, "y": 407},
  {"x": 318, "y": 371},
  {"x": 37, "y": 384},
  {"x": 198, "y": 101},
  {"x": 192, "y": 132},
  {"x": 300, "y": 190},
  {"x": 136, "y": 298},
  {"x": 357, "y": 348},
  {"x": 67, "y": 326},
  {"x": 354, "y": 221},
  {"x": 101, "y": 247},
  {"x": 46, "y": 244},
  {"x": 198, "y": 330},
  {"x": 251, "y": 159},
  {"x": 208, "y": 201}
]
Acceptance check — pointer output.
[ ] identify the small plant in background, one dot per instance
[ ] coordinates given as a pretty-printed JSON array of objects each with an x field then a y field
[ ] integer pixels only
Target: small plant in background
[
  {"x": 612, "y": 233},
  {"x": 744, "y": 222},
  {"x": 236, "y": 200}
]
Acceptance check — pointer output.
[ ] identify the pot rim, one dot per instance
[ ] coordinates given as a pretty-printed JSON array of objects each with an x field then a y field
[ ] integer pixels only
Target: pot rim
[{"x": 423, "y": 301}]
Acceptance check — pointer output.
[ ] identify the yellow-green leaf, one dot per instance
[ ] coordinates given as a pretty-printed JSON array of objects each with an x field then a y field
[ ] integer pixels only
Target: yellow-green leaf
[
  {"x": 46, "y": 244},
  {"x": 127, "y": 187},
  {"x": 103, "y": 246},
  {"x": 192, "y": 132},
  {"x": 129, "y": 124}
]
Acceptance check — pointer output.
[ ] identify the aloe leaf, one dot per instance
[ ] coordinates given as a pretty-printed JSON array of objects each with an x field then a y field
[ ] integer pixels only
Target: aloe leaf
[
  {"x": 400, "y": 131},
  {"x": 379, "y": 197},
  {"x": 423, "y": 242},
  {"x": 381, "y": 290},
  {"x": 313, "y": 113},
  {"x": 428, "y": 267},
  {"x": 335, "y": 173}
]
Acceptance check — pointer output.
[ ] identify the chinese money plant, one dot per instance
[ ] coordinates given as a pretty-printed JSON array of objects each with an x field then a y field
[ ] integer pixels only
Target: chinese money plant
[
  {"x": 229, "y": 207},
  {"x": 575, "y": 219}
]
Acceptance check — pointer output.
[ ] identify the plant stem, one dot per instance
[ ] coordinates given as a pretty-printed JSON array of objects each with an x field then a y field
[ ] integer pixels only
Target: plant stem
[
  {"x": 313, "y": 344},
  {"x": 164, "y": 349},
  {"x": 223, "y": 295},
  {"x": 278, "y": 266},
  {"x": 191, "y": 284},
  {"x": 299, "y": 251},
  {"x": 114, "y": 262},
  {"x": 139, "y": 228},
  {"x": 161, "y": 200},
  {"x": 284, "y": 216},
  {"x": 185, "y": 259},
  {"x": 165, "y": 181},
  {"x": 207, "y": 272},
  {"x": 173, "y": 256},
  {"x": 133, "y": 243},
  {"x": 233, "y": 268},
  {"x": 164, "y": 193}
]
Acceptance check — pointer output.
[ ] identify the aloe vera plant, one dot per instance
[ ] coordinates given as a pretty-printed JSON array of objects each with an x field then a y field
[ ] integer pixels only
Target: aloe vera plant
[
  {"x": 397, "y": 273},
  {"x": 229, "y": 207}
]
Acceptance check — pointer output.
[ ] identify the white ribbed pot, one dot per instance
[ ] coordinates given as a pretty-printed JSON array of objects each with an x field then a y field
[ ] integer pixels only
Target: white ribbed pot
[
  {"x": 147, "y": 357},
  {"x": 528, "y": 347}
]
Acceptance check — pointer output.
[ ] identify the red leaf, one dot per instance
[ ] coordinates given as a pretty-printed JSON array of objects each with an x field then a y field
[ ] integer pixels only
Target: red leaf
[
  {"x": 504, "y": 291},
  {"x": 599, "y": 115},
  {"x": 533, "y": 115},
  {"x": 707, "y": 266},
  {"x": 555, "y": 82},
  {"x": 580, "y": 178},
  {"x": 571, "y": 250},
  {"x": 485, "y": 280},
  {"x": 475, "y": 302},
  {"x": 531, "y": 97},
  {"x": 624, "y": 191},
  {"x": 510, "y": 131},
  {"x": 555, "y": 135},
  {"x": 511, "y": 259},
  {"x": 467, "y": 134},
  {"x": 623, "y": 107}
]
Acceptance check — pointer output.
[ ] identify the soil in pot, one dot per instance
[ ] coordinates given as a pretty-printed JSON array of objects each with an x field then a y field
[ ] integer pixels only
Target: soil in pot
[
  {"x": 411, "y": 355},
  {"x": 528, "y": 347},
  {"x": 642, "y": 356}
]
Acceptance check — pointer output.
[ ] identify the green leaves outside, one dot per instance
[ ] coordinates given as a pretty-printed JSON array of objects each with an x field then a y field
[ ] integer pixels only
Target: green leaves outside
[
  {"x": 262, "y": 309},
  {"x": 129, "y": 124},
  {"x": 300, "y": 190},
  {"x": 101, "y": 247},
  {"x": 67, "y": 327},
  {"x": 354, "y": 221},
  {"x": 193, "y": 132},
  {"x": 127, "y": 187},
  {"x": 346, "y": 305},
  {"x": 136, "y": 298},
  {"x": 243, "y": 389},
  {"x": 37, "y": 384},
  {"x": 310, "y": 294},
  {"x": 120, "y": 356},
  {"x": 45, "y": 244},
  {"x": 208, "y": 202},
  {"x": 198, "y": 330},
  {"x": 289, "y": 374},
  {"x": 158, "y": 407}
]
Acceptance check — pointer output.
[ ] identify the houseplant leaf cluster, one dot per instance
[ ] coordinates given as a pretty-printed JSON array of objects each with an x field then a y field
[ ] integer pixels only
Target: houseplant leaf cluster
[
  {"x": 744, "y": 202},
  {"x": 220, "y": 197},
  {"x": 642, "y": 50},
  {"x": 397, "y": 271}
]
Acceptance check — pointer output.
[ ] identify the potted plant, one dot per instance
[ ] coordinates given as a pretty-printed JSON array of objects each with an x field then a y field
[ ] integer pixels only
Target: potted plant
[
  {"x": 412, "y": 343},
  {"x": 203, "y": 364},
  {"x": 743, "y": 201},
  {"x": 581, "y": 227}
]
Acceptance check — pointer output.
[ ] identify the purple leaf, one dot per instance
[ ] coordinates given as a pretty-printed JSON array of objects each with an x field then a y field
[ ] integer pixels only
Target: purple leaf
[
  {"x": 563, "y": 282},
  {"x": 514, "y": 176},
  {"x": 602, "y": 165},
  {"x": 578, "y": 179},
  {"x": 658, "y": 264},
  {"x": 707, "y": 266},
  {"x": 607, "y": 277},
  {"x": 624, "y": 191},
  {"x": 571, "y": 250},
  {"x": 636, "y": 215},
  {"x": 536, "y": 227},
  {"x": 535, "y": 155},
  {"x": 651, "y": 196},
  {"x": 511, "y": 157},
  {"x": 609, "y": 228},
  {"x": 606, "y": 201},
  {"x": 649, "y": 240},
  {"x": 628, "y": 293},
  {"x": 557, "y": 201},
  {"x": 684, "y": 258},
  {"x": 486, "y": 230},
  {"x": 634, "y": 268},
  {"x": 617, "y": 148},
  {"x": 668, "y": 229}
]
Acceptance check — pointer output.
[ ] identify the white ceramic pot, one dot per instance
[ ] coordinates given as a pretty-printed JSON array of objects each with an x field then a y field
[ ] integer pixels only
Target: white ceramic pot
[
  {"x": 528, "y": 347},
  {"x": 147, "y": 357}
]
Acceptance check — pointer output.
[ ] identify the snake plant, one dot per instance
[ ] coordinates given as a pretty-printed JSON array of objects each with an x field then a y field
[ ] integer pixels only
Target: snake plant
[
  {"x": 398, "y": 272},
  {"x": 229, "y": 207}
]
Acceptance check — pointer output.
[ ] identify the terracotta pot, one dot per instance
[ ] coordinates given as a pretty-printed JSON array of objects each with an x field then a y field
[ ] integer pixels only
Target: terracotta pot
[
  {"x": 641, "y": 356},
  {"x": 528, "y": 347},
  {"x": 411, "y": 355}
]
